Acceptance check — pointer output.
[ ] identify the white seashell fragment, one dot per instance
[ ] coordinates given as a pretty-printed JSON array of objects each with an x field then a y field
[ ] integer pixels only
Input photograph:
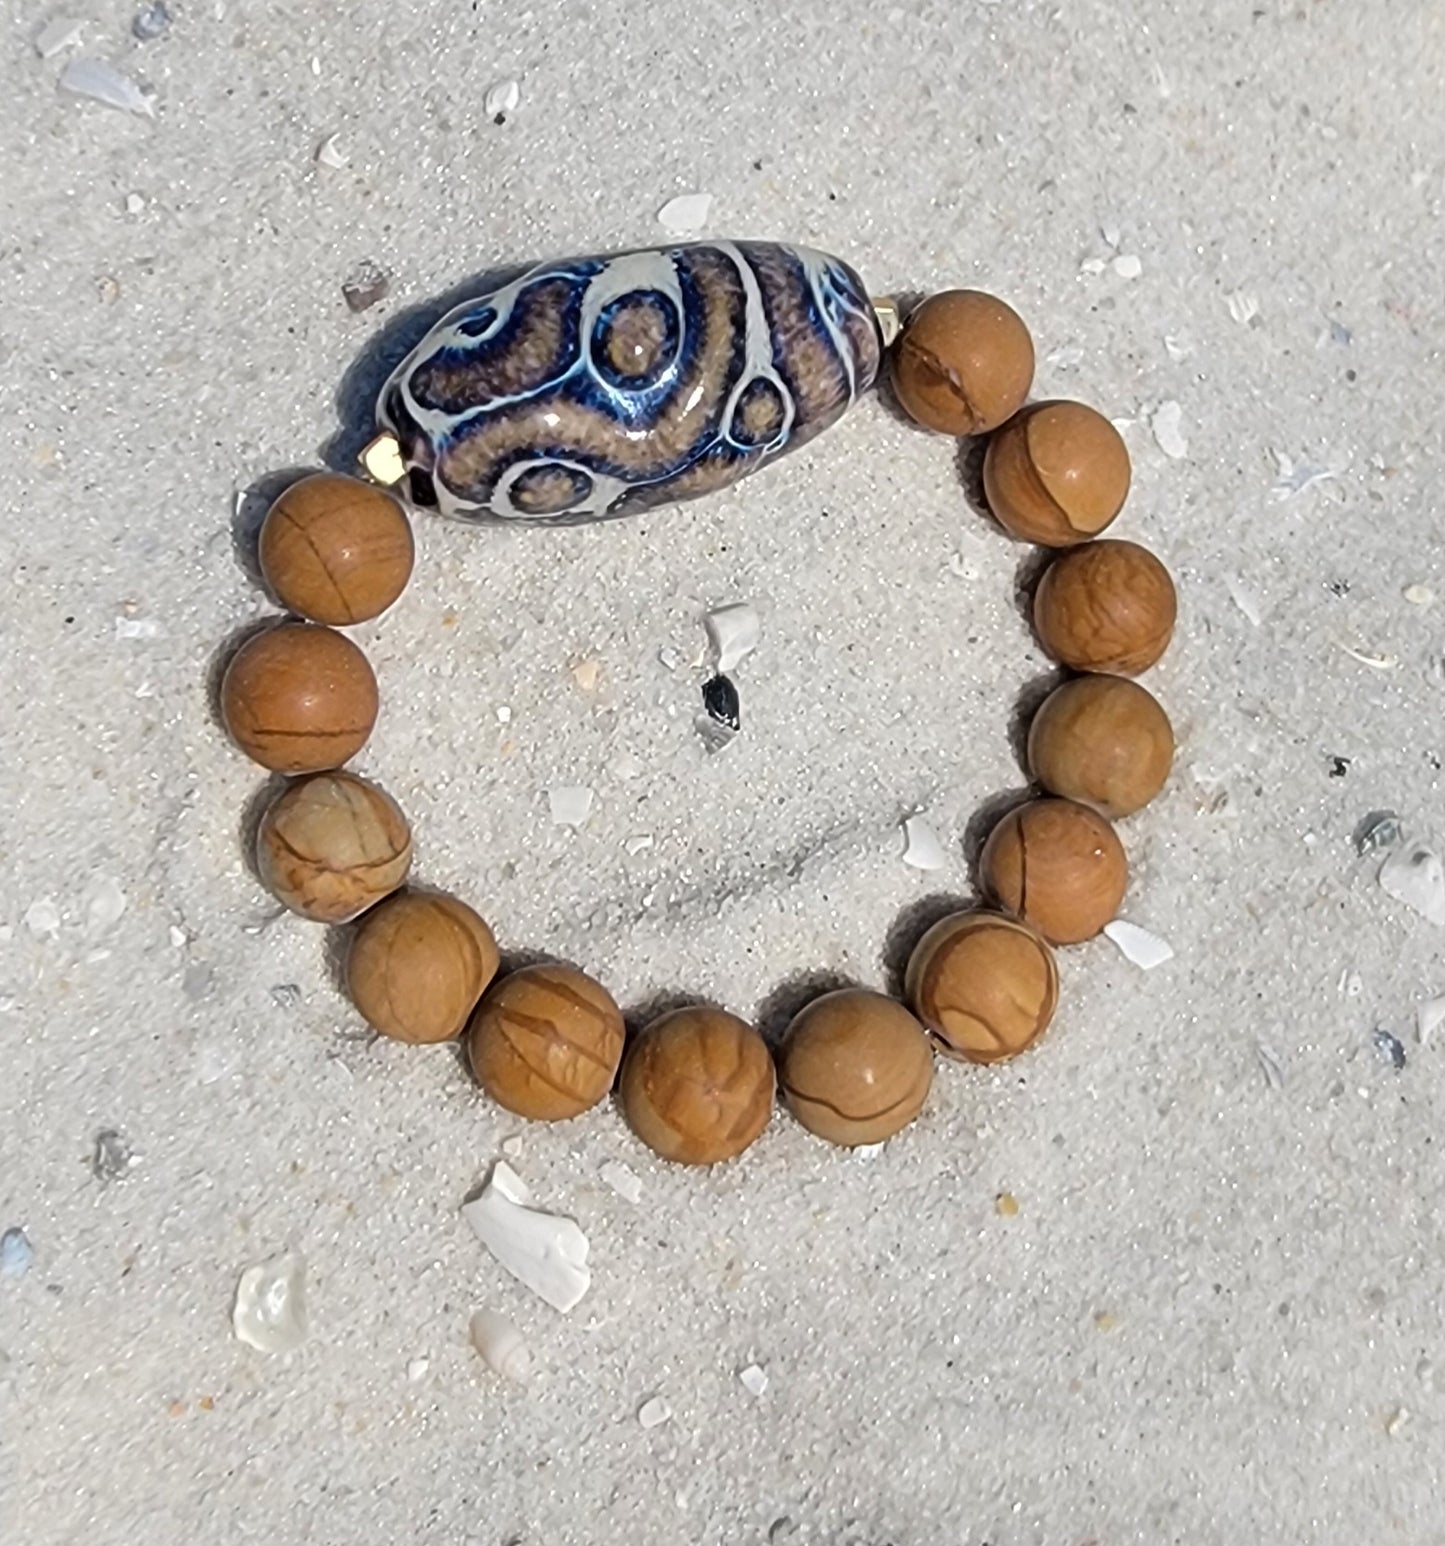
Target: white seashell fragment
[
  {"x": 1419, "y": 595},
  {"x": 733, "y": 633},
  {"x": 416, "y": 1369},
  {"x": 1416, "y": 877},
  {"x": 138, "y": 628},
  {"x": 1138, "y": 945},
  {"x": 1243, "y": 306},
  {"x": 329, "y": 153},
  {"x": 570, "y": 804},
  {"x": 502, "y": 98},
  {"x": 102, "y": 82},
  {"x": 654, "y": 1412},
  {"x": 686, "y": 213},
  {"x": 58, "y": 34},
  {"x": 753, "y": 1379},
  {"x": 105, "y": 904},
  {"x": 1166, "y": 422},
  {"x": 502, "y": 1346},
  {"x": 1243, "y": 597},
  {"x": 1429, "y": 1018},
  {"x": 270, "y": 1309},
  {"x": 16, "y": 1253},
  {"x": 546, "y": 1253},
  {"x": 622, "y": 1180},
  {"x": 922, "y": 850},
  {"x": 1128, "y": 266}
]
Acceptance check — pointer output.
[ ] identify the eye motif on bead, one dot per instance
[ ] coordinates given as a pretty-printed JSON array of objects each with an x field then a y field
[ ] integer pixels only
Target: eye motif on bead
[{"x": 602, "y": 386}]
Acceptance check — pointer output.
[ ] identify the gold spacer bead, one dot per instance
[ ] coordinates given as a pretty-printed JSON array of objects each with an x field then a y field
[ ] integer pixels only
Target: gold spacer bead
[{"x": 382, "y": 460}]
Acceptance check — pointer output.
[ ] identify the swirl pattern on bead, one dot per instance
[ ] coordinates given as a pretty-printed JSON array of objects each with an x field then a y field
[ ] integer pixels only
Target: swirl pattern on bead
[{"x": 600, "y": 386}]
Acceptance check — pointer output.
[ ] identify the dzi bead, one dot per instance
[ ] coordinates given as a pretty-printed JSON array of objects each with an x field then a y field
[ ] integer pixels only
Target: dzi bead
[{"x": 599, "y": 386}]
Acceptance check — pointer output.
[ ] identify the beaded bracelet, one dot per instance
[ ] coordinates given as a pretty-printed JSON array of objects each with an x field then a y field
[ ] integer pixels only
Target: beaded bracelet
[{"x": 598, "y": 386}]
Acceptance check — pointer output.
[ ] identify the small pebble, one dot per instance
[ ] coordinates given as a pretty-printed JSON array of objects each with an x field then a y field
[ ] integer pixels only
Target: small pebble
[
  {"x": 1166, "y": 421},
  {"x": 654, "y": 1412},
  {"x": 16, "y": 1253},
  {"x": 366, "y": 285},
  {"x": 152, "y": 23},
  {"x": 686, "y": 214},
  {"x": 720, "y": 699},
  {"x": 501, "y": 98},
  {"x": 134, "y": 203},
  {"x": 270, "y": 1309},
  {"x": 1128, "y": 266},
  {"x": 623, "y": 1181},
  {"x": 1390, "y": 1048},
  {"x": 569, "y": 804},
  {"x": 42, "y": 918},
  {"x": 1419, "y": 595},
  {"x": 110, "y": 1160},
  {"x": 1006, "y": 1205},
  {"x": 1378, "y": 831},
  {"x": 286, "y": 994},
  {"x": 753, "y": 1379},
  {"x": 416, "y": 1369}
]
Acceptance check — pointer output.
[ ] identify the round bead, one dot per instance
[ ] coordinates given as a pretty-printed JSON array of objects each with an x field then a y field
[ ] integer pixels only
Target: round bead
[
  {"x": 418, "y": 965},
  {"x": 964, "y": 363},
  {"x": 1059, "y": 866},
  {"x": 1103, "y": 741},
  {"x": 545, "y": 1042},
  {"x": 299, "y": 699},
  {"x": 697, "y": 1086},
  {"x": 1106, "y": 606},
  {"x": 331, "y": 845},
  {"x": 855, "y": 1067},
  {"x": 1056, "y": 474},
  {"x": 984, "y": 984},
  {"x": 335, "y": 549}
]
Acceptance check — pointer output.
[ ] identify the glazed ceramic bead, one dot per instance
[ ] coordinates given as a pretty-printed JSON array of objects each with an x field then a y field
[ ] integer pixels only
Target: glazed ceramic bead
[
  {"x": 545, "y": 1042},
  {"x": 1106, "y": 606},
  {"x": 984, "y": 984},
  {"x": 1059, "y": 866},
  {"x": 335, "y": 549},
  {"x": 964, "y": 363},
  {"x": 855, "y": 1067},
  {"x": 418, "y": 964},
  {"x": 1056, "y": 474},
  {"x": 597, "y": 386},
  {"x": 697, "y": 1086},
  {"x": 299, "y": 699},
  {"x": 331, "y": 845},
  {"x": 1103, "y": 741}
]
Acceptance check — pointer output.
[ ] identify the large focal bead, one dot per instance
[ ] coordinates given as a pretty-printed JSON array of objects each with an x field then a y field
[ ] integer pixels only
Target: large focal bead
[{"x": 595, "y": 387}]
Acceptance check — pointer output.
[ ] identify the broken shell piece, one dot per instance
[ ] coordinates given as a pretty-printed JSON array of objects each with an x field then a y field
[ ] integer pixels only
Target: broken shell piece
[
  {"x": 686, "y": 213},
  {"x": 1390, "y": 1047},
  {"x": 753, "y": 1379},
  {"x": 1166, "y": 421},
  {"x": 546, "y": 1253},
  {"x": 1138, "y": 945},
  {"x": 890, "y": 318},
  {"x": 1416, "y": 877},
  {"x": 502, "y": 1346},
  {"x": 922, "y": 850},
  {"x": 270, "y": 1309},
  {"x": 1429, "y": 1017},
  {"x": 733, "y": 633},
  {"x": 622, "y": 1180},
  {"x": 1378, "y": 831},
  {"x": 329, "y": 153},
  {"x": 570, "y": 804},
  {"x": 58, "y": 34},
  {"x": 654, "y": 1412},
  {"x": 100, "y": 82},
  {"x": 16, "y": 1253}
]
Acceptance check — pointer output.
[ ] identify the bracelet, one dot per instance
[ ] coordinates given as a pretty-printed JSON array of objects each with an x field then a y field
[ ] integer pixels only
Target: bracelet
[{"x": 596, "y": 387}]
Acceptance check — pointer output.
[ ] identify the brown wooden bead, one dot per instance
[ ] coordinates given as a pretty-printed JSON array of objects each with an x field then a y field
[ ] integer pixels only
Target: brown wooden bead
[
  {"x": 1103, "y": 741},
  {"x": 335, "y": 549},
  {"x": 332, "y": 845},
  {"x": 1057, "y": 473},
  {"x": 545, "y": 1042},
  {"x": 697, "y": 1086},
  {"x": 855, "y": 1067},
  {"x": 984, "y": 984},
  {"x": 1106, "y": 606},
  {"x": 1059, "y": 866},
  {"x": 418, "y": 964},
  {"x": 964, "y": 363},
  {"x": 298, "y": 698}
]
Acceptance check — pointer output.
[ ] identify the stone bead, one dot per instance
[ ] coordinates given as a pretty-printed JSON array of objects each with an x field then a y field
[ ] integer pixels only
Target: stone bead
[
  {"x": 299, "y": 698},
  {"x": 1106, "y": 606},
  {"x": 1056, "y": 474},
  {"x": 545, "y": 1042},
  {"x": 964, "y": 363},
  {"x": 331, "y": 845},
  {"x": 984, "y": 984},
  {"x": 1103, "y": 741},
  {"x": 855, "y": 1067},
  {"x": 335, "y": 549},
  {"x": 1059, "y": 866},
  {"x": 418, "y": 964},
  {"x": 697, "y": 1086}
]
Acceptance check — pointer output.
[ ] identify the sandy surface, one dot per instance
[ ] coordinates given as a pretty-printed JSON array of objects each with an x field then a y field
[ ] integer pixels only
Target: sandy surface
[{"x": 1216, "y": 1314}]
